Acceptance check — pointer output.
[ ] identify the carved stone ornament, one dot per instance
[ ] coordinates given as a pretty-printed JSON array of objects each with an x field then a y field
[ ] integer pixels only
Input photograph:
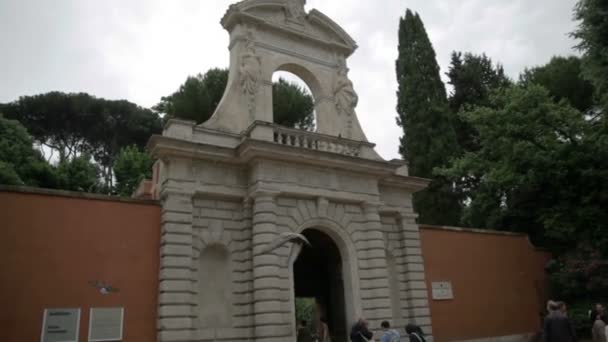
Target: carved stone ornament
[
  {"x": 295, "y": 9},
  {"x": 345, "y": 97},
  {"x": 250, "y": 71}
]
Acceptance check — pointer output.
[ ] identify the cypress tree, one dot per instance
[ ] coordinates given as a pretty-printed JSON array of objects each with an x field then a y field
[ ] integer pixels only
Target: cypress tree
[{"x": 428, "y": 136}]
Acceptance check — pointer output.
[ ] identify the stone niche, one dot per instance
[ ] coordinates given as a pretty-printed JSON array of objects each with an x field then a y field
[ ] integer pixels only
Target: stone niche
[{"x": 240, "y": 194}]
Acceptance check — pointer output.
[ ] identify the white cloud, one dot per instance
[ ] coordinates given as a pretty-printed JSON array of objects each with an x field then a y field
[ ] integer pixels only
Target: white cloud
[{"x": 144, "y": 49}]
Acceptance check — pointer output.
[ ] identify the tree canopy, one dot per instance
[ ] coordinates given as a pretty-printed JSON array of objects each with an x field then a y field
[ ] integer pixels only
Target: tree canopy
[
  {"x": 292, "y": 106},
  {"x": 473, "y": 78},
  {"x": 131, "y": 167},
  {"x": 563, "y": 78},
  {"x": 76, "y": 124},
  {"x": 20, "y": 163},
  {"x": 197, "y": 98},
  {"x": 542, "y": 169},
  {"x": 592, "y": 33}
]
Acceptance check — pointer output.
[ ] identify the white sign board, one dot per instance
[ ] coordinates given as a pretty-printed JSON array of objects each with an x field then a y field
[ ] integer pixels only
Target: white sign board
[
  {"x": 60, "y": 325},
  {"x": 442, "y": 290},
  {"x": 105, "y": 324}
]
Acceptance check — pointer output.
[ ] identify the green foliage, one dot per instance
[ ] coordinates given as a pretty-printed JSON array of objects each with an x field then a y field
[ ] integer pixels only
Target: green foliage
[
  {"x": 562, "y": 76},
  {"x": 541, "y": 169},
  {"x": 429, "y": 139},
  {"x": 197, "y": 98},
  {"x": 8, "y": 174},
  {"x": 78, "y": 174},
  {"x": 20, "y": 163},
  {"x": 305, "y": 308},
  {"x": 581, "y": 271},
  {"x": 473, "y": 77},
  {"x": 291, "y": 106},
  {"x": 200, "y": 95},
  {"x": 593, "y": 35},
  {"x": 130, "y": 168},
  {"x": 578, "y": 312},
  {"x": 75, "y": 124}
]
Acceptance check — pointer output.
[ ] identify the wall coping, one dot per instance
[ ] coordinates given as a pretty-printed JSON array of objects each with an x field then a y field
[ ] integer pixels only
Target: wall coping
[
  {"x": 74, "y": 194},
  {"x": 484, "y": 231},
  {"x": 472, "y": 230}
]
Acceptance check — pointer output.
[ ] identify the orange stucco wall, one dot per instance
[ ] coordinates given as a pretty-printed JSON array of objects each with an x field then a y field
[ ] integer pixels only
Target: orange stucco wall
[
  {"x": 498, "y": 283},
  {"x": 52, "y": 246}
]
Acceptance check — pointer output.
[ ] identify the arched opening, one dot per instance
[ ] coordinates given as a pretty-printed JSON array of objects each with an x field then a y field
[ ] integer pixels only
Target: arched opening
[
  {"x": 214, "y": 288},
  {"x": 293, "y": 102},
  {"x": 318, "y": 279}
]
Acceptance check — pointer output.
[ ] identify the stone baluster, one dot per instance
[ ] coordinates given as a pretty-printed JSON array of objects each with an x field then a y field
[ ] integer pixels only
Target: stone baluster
[{"x": 271, "y": 323}]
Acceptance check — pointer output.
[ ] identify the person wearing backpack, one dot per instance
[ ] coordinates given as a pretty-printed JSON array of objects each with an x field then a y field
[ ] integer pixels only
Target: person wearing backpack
[
  {"x": 415, "y": 333},
  {"x": 390, "y": 335},
  {"x": 360, "y": 332}
]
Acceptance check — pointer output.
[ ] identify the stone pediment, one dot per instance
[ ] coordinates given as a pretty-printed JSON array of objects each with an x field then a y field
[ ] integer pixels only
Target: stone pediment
[{"x": 290, "y": 17}]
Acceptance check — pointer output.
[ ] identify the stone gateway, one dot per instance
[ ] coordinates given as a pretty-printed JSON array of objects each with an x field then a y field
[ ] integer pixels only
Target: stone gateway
[{"x": 242, "y": 198}]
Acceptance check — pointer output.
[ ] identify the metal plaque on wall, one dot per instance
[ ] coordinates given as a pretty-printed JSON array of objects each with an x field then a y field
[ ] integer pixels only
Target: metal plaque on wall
[
  {"x": 106, "y": 324},
  {"x": 442, "y": 290},
  {"x": 60, "y": 325}
]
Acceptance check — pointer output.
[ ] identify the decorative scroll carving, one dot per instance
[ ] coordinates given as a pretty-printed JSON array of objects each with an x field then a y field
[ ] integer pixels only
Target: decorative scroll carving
[
  {"x": 285, "y": 238},
  {"x": 250, "y": 71},
  {"x": 345, "y": 97}
]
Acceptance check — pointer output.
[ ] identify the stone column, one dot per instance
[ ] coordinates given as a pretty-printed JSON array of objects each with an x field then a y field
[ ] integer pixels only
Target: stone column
[
  {"x": 272, "y": 324},
  {"x": 176, "y": 302},
  {"x": 416, "y": 290},
  {"x": 375, "y": 291}
]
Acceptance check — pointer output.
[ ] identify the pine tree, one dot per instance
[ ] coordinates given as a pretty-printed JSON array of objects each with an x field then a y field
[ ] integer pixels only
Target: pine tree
[{"x": 428, "y": 137}]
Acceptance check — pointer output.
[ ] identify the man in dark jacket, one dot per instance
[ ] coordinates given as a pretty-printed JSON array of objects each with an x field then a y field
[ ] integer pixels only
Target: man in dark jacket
[
  {"x": 304, "y": 334},
  {"x": 557, "y": 326},
  {"x": 360, "y": 332}
]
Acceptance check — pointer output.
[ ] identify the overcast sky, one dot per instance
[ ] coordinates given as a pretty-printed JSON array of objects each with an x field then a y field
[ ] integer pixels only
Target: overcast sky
[{"x": 140, "y": 50}]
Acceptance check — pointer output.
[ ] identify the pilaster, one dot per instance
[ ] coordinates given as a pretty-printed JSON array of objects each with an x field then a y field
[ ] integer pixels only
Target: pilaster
[
  {"x": 271, "y": 322},
  {"x": 375, "y": 291},
  {"x": 176, "y": 301},
  {"x": 416, "y": 292}
]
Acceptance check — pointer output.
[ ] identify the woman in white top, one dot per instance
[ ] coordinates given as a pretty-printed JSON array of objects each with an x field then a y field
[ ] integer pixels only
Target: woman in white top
[{"x": 599, "y": 328}]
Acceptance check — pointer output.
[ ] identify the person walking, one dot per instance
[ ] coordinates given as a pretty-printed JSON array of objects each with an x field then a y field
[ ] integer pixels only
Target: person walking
[
  {"x": 304, "y": 334},
  {"x": 360, "y": 332},
  {"x": 598, "y": 331},
  {"x": 390, "y": 335},
  {"x": 323, "y": 331},
  {"x": 415, "y": 333},
  {"x": 557, "y": 326}
]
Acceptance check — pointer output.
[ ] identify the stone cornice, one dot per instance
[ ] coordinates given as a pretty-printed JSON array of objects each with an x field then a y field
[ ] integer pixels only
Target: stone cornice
[
  {"x": 414, "y": 184},
  {"x": 250, "y": 150},
  {"x": 163, "y": 147}
]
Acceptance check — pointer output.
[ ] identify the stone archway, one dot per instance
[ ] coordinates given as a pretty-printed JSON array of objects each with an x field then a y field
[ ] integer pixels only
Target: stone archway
[
  {"x": 241, "y": 181},
  {"x": 329, "y": 233},
  {"x": 318, "y": 274}
]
